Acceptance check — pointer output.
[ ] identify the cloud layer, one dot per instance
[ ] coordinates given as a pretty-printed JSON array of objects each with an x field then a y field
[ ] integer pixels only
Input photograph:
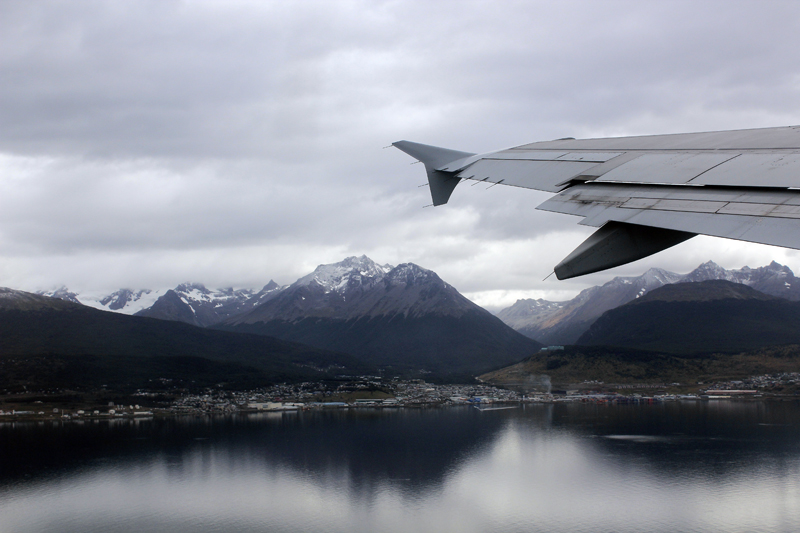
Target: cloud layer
[{"x": 147, "y": 143}]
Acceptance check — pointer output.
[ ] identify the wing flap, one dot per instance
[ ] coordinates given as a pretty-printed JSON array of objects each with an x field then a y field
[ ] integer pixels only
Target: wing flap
[{"x": 767, "y": 217}]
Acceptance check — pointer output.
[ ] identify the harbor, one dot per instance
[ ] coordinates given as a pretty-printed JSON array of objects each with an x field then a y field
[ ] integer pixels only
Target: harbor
[{"x": 370, "y": 392}]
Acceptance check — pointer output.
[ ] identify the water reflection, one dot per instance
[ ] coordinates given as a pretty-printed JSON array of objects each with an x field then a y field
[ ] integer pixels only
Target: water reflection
[{"x": 568, "y": 467}]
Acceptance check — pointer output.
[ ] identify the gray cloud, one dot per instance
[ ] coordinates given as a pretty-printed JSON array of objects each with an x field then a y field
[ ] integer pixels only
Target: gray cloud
[{"x": 146, "y": 143}]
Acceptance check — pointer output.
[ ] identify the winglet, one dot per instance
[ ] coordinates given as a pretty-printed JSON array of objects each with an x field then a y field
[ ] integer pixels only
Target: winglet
[
  {"x": 432, "y": 156},
  {"x": 441, "y": 182}
]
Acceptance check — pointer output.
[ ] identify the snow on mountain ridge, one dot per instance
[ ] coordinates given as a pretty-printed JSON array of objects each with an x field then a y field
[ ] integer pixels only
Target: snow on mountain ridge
[
  {"x": 651, "y": 279},
  {"x": 411, "y": 273},
  {"x": 125, "y": 301},
  {"x": 62, "y": 293},
  {"x": 336, "y": 277},
  {"x": 359, "y": 288},
  {"x": 129, "y": 302},
  {"x": 708, "y": 271}
]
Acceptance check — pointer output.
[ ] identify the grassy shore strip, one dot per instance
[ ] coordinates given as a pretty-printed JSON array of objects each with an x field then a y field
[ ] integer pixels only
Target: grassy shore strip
[{"x": 603, "y": 367}]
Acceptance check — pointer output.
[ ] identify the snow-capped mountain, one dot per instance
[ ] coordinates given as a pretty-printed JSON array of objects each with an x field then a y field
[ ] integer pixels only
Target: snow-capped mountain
[
  {"x": 266, "y": 293},
  {"x": 349, "y": 273},
  {"x": 125, "y": 301},
  {"x": 565, "y": 322},
  {"x": 403, "y": 316},
  {"x": 774, "y": 279},
  {"x": 358, "y": 287},
  {"x": 195, "y": 304},
  {"x": 62, "y": 293},
  {"x": 192, "y": 303}
]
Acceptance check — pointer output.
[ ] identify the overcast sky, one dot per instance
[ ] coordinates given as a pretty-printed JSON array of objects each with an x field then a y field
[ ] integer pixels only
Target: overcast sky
[{"x": 143, "y": 144}]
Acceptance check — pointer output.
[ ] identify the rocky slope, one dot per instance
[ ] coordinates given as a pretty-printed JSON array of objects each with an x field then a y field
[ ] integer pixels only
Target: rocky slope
[
  {"x": 707, "y": 316},
  {"x": 564, "y": 322}
]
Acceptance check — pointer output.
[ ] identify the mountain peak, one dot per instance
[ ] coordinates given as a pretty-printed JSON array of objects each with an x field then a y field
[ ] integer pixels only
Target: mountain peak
[
  {"x": 409, "y": 273},
  {"x": 121, "y": 298},
  {"x": 707, "y": 271},
  {"x": 62, "y": 293},
  {"x": 189, "y": 287},
  {"x": 358, "y": 287},
  {"x": 351, "y": 271},
  {"x": 774, "y": 266},
  {"x": 271, "y": 286}
]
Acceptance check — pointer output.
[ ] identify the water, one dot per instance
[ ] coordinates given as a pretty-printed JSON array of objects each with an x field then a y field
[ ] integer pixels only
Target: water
[{"x": 682, "y": 466}]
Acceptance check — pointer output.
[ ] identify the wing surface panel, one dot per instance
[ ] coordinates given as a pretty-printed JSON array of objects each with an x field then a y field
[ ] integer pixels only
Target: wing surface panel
[
  {"x": 540, "y": 175},
  {"x": 787, "y": 137},
  {"x": 742, "y": 184},
  {"x": 678, "y": 167},
  {"x": 597, "y": 157},
  {"x": 755, "y": 170}
]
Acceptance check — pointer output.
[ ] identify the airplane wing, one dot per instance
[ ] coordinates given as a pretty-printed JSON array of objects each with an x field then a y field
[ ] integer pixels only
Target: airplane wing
[{"x": 645, "y": 193}]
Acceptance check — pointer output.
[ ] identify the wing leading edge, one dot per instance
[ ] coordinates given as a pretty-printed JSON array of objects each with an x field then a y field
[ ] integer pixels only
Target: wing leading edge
[{"x": 645, "y": 194}]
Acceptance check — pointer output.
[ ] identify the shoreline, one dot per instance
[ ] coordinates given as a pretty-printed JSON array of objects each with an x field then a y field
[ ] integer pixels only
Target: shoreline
[{"x": 162, "y": 413}]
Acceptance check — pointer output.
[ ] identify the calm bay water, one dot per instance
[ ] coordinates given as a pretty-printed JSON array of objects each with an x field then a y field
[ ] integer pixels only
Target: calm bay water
[{"x": 681, "y": 466}]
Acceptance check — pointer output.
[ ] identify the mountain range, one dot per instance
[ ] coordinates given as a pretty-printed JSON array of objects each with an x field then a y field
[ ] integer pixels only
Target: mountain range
[
  {"x": 702, "y": 317},
  {"x": 47, "y": 340},
  {"x": 404, "y": 319},
  {"x": 194, "y": 304},
  {"x": 560, "y": 323},
  {"x": 546, "y": 321},
  {"x": 681, "y": 333},
  {"x": 191, "y": 303}
]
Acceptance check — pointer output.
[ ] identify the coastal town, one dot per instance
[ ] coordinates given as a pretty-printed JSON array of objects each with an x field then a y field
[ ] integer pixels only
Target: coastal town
[{"x": 375, "y": 392}]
